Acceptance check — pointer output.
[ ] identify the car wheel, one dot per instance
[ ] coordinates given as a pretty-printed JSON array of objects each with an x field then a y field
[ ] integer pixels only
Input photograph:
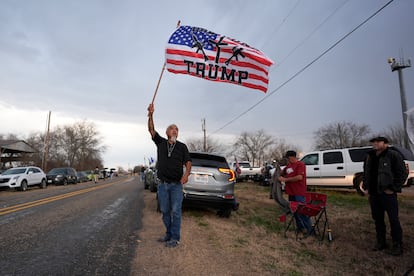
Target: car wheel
[
  {"x": 224, "y": 213},
  {"x": 23, "y": 186},
  {"x": 65, "y": 182},
  {"x": 43, "y": 184},
  {"x": 358, "y": 184}
]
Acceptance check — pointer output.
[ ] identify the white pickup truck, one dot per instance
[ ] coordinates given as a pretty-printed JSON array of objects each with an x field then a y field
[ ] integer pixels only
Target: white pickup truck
[
  {"x": 247, "y": 171},
  {"x": 344, "y": 167}
]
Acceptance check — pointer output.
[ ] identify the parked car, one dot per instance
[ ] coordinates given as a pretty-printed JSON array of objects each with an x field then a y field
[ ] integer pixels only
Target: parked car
[
  {"x": 62, "y": 176},
  {"x": 23, "y": 177},
  {"x": 150, "y": 179},
  {"x": 211, "y": 184},
  {"x": 90, "y": 175},
  {"x": 344, "y": 167},
  {"x": 82, "y": 176}
]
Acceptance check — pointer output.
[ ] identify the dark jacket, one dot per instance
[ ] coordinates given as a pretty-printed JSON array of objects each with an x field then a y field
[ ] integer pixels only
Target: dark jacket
[{"x": 391, "y": 171}]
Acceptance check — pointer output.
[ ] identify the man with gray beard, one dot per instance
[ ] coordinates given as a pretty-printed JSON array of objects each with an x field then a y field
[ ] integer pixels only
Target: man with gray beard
[{"x": 172, "y": 155}]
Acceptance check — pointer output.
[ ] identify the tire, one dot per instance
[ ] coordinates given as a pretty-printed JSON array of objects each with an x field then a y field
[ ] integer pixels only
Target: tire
[
  {"x": 43, "y": 184},
  {"x": 358, "y": 182},
  {"x": 65, "y": 182},
  {"x": 224, "y": 213},
  {"x": 23, "y": 186}
]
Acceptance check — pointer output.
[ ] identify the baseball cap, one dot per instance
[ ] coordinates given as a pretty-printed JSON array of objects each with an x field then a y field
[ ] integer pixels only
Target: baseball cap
[
  {"x": 290, "y": 153},
  {"x": 379, "y": 139}
]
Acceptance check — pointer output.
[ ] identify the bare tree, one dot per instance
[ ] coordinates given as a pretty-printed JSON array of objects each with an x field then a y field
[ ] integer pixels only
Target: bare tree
[
  {"x": 341, "y": 135},
  {"x": 253, "y": 146},
  {"x": 279, "y": 149},
  {"x": 77, "y": 145},
  {"x": 197, "y": 144},
  {"x": 395, "y": 134}
]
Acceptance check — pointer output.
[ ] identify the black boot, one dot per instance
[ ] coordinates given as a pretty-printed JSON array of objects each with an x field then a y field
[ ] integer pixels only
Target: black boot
[
  {"x": 380, "y": 245},
  {"x": 395, "y": 250}
]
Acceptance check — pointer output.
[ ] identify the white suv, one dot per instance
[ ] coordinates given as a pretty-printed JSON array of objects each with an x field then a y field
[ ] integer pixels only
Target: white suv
[
  {"x": 344, "y": 167},
  {"x": 23, "y": 177}
]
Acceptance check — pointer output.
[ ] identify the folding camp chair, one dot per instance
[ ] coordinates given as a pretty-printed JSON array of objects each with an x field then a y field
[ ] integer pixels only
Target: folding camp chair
[{"x": 315, "y": 208}]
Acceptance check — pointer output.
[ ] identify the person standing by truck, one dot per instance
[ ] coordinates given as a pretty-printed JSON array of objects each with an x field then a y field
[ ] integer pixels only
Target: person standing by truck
[
  {"x": 294, "y": 176},
  {"x": 384, "y": 175}
]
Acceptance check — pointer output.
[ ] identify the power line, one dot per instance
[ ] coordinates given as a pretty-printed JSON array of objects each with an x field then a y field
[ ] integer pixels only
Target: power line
[
  {"x": 311, "y": 33},
  {"x": 284, "y": 20},
  {"x": 305, "y": 67}
]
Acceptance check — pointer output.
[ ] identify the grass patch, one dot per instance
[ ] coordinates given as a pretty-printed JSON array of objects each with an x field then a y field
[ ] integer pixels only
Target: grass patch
[{"x": 346, "y": 199}]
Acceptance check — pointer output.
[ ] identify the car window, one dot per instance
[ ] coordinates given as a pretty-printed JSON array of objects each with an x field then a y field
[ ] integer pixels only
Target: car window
[
  {"x": 15, "y": 171},
  {"x": 333, "y": 157},
  {"x": 311, "y": 159},
  {"x": 57, "y": 170},
  {"x": 208, "y": 160},
  {"x": 244, "y": 164},
  {"x": 358, "y": 155},
  {"x": 35, "y": 170}
]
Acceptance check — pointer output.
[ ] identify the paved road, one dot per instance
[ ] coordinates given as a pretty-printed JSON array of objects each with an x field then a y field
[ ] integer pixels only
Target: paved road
[{"x": 83, "y": 229}]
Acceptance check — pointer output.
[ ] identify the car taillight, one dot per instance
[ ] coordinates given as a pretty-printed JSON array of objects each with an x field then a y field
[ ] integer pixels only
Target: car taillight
[{"x": 232, "y": 175}]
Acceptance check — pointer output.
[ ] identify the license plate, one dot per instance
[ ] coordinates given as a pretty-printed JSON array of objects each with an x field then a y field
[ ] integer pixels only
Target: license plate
[
  {"x": 201, "y": 178},
  {"x": 49, "y": 181}
]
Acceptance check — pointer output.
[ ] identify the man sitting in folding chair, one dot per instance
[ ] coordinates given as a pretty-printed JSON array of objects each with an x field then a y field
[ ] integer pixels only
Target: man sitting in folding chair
[
  {"x": 294, "y": 176},
  {"x": 315, "y": 207}
]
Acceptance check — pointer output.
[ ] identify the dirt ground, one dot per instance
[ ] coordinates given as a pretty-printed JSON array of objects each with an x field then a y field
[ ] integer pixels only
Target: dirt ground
[{"x": 247, "y": 244}]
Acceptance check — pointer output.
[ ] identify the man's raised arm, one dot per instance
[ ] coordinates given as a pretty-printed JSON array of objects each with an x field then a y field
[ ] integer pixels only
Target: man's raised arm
[{"x": 150, "y": 120}]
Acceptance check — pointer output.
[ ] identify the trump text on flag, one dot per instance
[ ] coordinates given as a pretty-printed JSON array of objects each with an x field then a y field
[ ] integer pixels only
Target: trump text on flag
[{"x": 202, "y": 53}]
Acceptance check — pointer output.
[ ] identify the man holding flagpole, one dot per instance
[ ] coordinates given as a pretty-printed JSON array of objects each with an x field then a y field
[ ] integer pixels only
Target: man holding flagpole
[{"x": 172, "y": 155}]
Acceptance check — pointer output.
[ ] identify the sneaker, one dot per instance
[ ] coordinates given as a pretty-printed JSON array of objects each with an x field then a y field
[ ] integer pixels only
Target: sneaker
[
  {"x": 164, "y": 239},
  {"x": 395, "y": 250},
  {"x": 172, "y": 243}
]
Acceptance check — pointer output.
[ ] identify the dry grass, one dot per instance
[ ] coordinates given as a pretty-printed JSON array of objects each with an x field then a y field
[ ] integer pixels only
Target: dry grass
[{"x": 251, "y": 242}]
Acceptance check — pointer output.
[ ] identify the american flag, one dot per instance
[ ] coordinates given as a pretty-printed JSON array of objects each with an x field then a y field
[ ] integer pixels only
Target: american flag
[{"x": 202, "y": 53}]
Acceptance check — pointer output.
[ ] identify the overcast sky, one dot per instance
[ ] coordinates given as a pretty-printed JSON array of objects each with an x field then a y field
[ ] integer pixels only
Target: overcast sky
[{"x": 100, "y": 61}]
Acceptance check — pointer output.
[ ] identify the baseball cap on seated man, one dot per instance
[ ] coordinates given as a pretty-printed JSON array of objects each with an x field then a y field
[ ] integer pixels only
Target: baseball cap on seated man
[
  {"x": 379, "y": 139},
  {"x": 290, "y": 153}
]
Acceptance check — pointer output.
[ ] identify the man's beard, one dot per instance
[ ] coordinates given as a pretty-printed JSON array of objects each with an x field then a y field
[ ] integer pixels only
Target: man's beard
[{"x": 173, "y": 139}]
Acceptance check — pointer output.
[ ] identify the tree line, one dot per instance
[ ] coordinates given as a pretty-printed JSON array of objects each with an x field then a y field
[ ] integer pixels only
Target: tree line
[
  {"x": 259, "y": 147},
  {"x": 78, "y": 145}
]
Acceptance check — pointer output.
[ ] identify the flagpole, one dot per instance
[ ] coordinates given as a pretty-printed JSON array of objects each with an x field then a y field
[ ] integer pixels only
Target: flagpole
[{"x": 162, "y": 72}]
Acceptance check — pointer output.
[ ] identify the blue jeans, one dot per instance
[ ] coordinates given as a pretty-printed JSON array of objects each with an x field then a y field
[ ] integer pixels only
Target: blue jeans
[
  {"x": 170, "y": 198},
  {"x": 302, "y": 221}
]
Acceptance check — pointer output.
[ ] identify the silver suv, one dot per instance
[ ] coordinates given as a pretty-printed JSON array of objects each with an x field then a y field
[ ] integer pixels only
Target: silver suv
[{"x": 210, "y": 184}]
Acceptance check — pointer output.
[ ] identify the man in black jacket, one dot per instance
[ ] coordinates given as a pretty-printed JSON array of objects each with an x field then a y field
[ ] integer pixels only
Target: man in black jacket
[{"x": 384, "y": 175}]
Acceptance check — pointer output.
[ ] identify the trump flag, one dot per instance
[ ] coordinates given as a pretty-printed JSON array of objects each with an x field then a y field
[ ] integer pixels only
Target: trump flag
[{"x": 202, "y": 53}]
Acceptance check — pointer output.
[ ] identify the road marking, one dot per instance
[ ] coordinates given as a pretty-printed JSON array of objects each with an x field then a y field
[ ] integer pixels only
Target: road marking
[{"x": 26, "y": 205}]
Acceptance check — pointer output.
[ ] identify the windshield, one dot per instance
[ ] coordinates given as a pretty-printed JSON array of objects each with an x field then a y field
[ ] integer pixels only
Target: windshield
[
  {"x": 14, "y": 171},
  {"x": 208, "y": 160},
  {"x": 57, "y": 171}
]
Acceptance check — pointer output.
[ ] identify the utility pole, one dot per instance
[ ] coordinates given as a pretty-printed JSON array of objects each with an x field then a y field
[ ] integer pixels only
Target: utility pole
[
  {"x": 398, "y": 66},
  {"x": 46, "y": 143},
  {"x": 203, "y": 127}
]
